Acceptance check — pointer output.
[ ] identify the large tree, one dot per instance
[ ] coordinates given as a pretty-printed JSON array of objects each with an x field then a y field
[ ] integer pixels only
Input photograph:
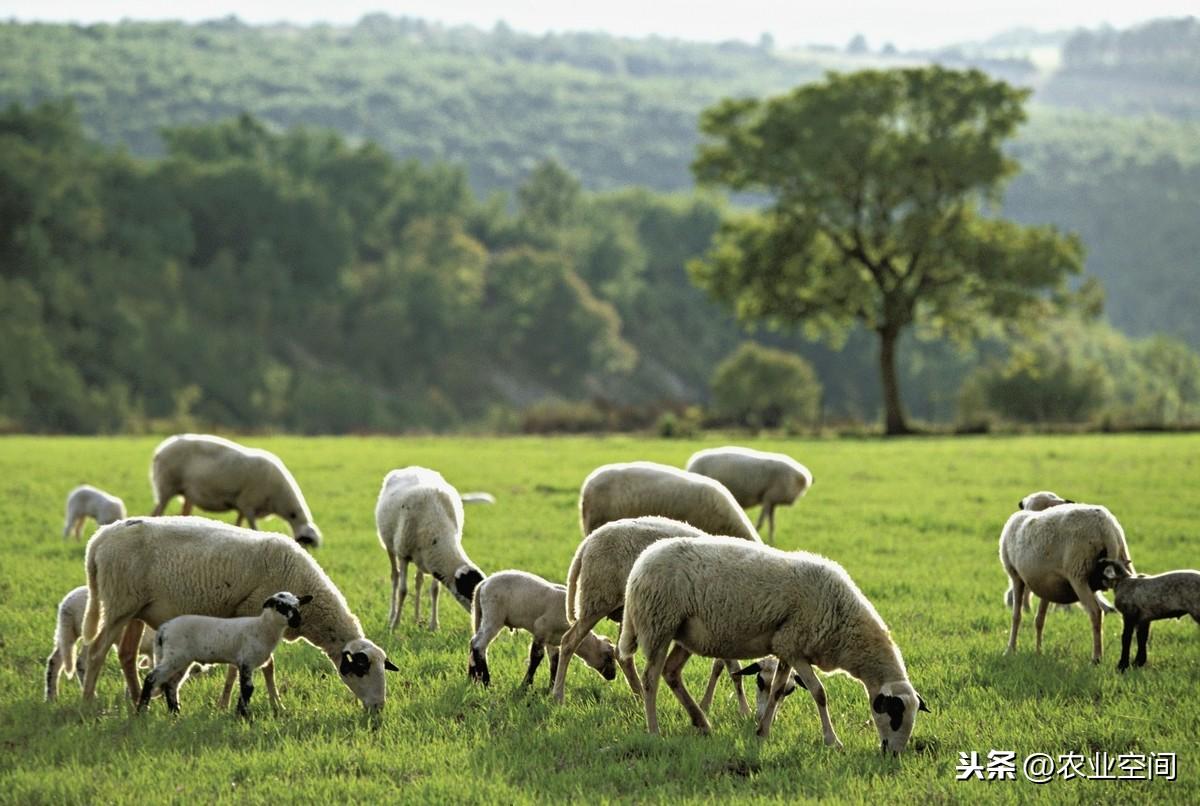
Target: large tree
[{"x": 881, "y": 185}]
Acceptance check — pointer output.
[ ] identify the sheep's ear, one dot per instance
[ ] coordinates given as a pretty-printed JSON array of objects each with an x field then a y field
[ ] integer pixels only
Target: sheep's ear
[
  {"x": 753, "y": 668},
  {"x": 799, "y": 681},
  {"x": 391, "y": 667},
  {"x": 305, "y": 599},
  {"x": 1068, "y": 501},
  {"x": 346, "y": 665},
  {"x": 921, "y": 705},
  {"x": 1021, "y": 504},
  {"x": 879, "y": 704},
  {"x": 269, "y": 603}
]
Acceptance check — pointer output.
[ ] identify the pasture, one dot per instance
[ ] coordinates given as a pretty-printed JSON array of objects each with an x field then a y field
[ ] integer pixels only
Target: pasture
[{"x": 915, "y": 522}]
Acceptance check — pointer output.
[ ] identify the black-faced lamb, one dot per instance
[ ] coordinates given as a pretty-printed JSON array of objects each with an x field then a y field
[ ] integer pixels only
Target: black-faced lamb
[
  {"x": 633, "y": 489},
  {"x": 419, "y": 519},
  {"x": 518, "y": 600},
  {"x": 153, "y": 569},
  {"x": 733, "y": 599},
  {"x": 755, "y": 478},
  {"x": 1055, "y": 553},
  {"x": 68, "y": 629},
  {"x": 1142, "y": 599},
  {"x": 246, "y": 643},
  {"x": 86, "y": 501},
  {"x": 218, "y": 475}
]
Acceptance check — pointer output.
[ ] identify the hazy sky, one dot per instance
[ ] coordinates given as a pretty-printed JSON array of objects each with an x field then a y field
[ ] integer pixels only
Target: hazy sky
[{"x": 911, "y": 24}]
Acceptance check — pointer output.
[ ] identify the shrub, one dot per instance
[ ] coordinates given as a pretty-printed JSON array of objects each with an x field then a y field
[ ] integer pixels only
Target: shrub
[{"x": 759, "y": 387}]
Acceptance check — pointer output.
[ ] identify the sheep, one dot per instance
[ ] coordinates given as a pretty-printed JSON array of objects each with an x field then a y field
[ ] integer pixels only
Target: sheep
[
  {"x": 67, "y": 630},
  {"x": 218, "y": 475},
  {"x": 616, "y": 491},
  {"x": 596, "y": 590},
  {"x": 86, "y": 501},
  {"x": 754, "y": 478},
  {"x": 149, "y": 570},
  {"x": 1143, "y": 599},
  {"x": 763, "y": 670},
  {"x": 731, "y": 599},
  {"x": 1055, "y": 553},
  {"x": 419, "y": 519},
  {"x": 515, "y": 599},
  {"x": 247, "y": 643}
]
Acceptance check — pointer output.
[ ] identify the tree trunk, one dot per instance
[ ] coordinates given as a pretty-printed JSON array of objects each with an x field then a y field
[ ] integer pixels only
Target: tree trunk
[{"x": 895, "y": 420}]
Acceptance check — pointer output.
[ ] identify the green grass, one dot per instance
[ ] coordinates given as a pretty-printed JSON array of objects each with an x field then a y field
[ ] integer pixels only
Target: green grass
[{"x": 915, "y": 522}]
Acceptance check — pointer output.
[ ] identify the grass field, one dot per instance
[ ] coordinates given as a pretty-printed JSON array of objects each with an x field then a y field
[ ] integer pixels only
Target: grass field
[{"x": 915, "y": 522}]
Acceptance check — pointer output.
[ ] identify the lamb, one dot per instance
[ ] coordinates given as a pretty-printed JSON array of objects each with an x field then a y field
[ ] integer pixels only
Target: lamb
[
  {"x": 1143, "y": 599},
  {"x": 419, "y": 519},
  {"x": 754, "y": 478},
  {"x": 149, "y": 570},
  {"x": 763, "y": 670},
  {"x": 616, "y": 491},
  {"x": 730, "y": 599},
  {"x": 596, "y": 590},
  {"x": 515, "y": 599},
  {"x": 86, "y": 501},
  {"x": 1055, "y": 553},
  {"x": 218, "y": 475},
  {"x": 67, "y": 630},
  {"x": 247, "y": 643}
]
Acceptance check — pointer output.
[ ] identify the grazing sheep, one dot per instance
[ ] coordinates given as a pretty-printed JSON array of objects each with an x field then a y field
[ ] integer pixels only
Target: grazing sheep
[
  {"x": 754, "y": 478},
  {"x": 596, "y": 590},
  {"x": 218, "y": 475},
  {"x": 763, "y": 670},
  {"x": 153, "y": 569},
  {"x": 67, "y": 630},
  {"x": 86, "y": 501},
  {"x": 419, "y": 519},
  {"x": 731, "y": 599},
  {"x": 613, "y": 492},
  {"x": 1143, "y": 599},
  {"x": 246, "y": 643},
  {"x": 515, "y": 599},
  {"x": 1055, "y": 553}
]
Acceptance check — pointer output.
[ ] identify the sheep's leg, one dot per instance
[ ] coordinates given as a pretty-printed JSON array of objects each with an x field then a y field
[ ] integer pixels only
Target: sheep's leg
[
  {"x": 554, "y": 653},
  {"x": 778, "y": 684},
  {"x": 170, "y": 690},
  {"x": 631, "y": 677},
  {"x": 762, "y": 518},
  {"x": 54, "y": 664},
  {"x": 161, "y": 506},
  {"x": 394, "y": 612},
  {"x": 566, "y": 650},
  {"x": 477, "y": 666},
  {"x": 536, "y": 652},
  {"x": 187, "y": 507},
  {"x": 673, "y": 674},
  {"x": 227, "y": 692},
  {"x": 148, "y": 685},
  {"x": 127, "y": 652},
  {"x": 1087, "y": 598},
  {"x": 771, "y": 518},
  {"x": 97, "y": 651},
  {"x": 1040, "y": 622},
  {"x": 654, "y": 668},
  {"x": 1018, "y": 587},
  {"x": 1126, "y": 637},
  {"x": 268, "y": 671},
  {"x": 743, "y": 706},
  {"x": 419, "y": 580},
  {"x": 251, "y": 523},
  {"x": 79, "y": 528},
  {"x": 434, "y": 590},
  {"x": 813, "y": 684},
  {"x": 246, "y": 688},
  {"x": 1143, "y": 634},
  {"x": 718, "y": 666},
  {"x": 239, "y": 520},
  {"x": 398, "y": 593}
]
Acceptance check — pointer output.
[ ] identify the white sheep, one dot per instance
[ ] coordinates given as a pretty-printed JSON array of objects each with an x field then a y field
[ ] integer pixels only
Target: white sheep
[
  {"x": 732, "y": 599},
  {"x": 1142, "y": 599},
  {"x": 68, "y": 628},
  {"x": 596, "y": 590},
  {"x": 754, "y": 478},
  {"x": 217, "y": 475},
  {"x": 613, "y": 492},
  {"x": 86, "y": 501},
  {"x": 246, "y": 643},
  {"x": 518, "y": 600},
  {"x": 1055, "y": 553},
  {"x": 419, "y": 519},
  {"x": 153, "y": 569}
]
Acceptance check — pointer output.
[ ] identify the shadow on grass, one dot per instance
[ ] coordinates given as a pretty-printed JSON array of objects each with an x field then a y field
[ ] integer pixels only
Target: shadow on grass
[{"x": 1026, "y": 675}]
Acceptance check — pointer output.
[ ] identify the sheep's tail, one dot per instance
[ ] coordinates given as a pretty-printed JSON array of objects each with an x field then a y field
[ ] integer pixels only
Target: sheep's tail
[
  {"x": 627, "y": 644},
  {"x": 91, "y": 619},
  {"x": 573, "y": 585},
  {"x": 476, "y": 611},
  {"x": 66, "y": 649}
]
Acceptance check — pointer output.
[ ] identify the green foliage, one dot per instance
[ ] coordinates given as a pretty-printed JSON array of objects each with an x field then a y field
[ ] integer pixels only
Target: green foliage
[
  {"x": 876, "y": 182},
  {"x": 759, "y": 387}
]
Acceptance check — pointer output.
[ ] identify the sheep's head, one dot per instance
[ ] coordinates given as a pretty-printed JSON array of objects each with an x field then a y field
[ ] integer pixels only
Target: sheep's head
[
  {"x": 894, "y": 708},
  {"x": 466, "y": 579},
  {"x": 1113, "y": 571},
  {"x": 600, "y": 654},
  {"x": 764, "y": 673},
  {"x": 306, "y": 533},
  {"x": 1043, "y": 499},
  {"x": 362, "y": 666},
  {"x": 288, "y": 606}
]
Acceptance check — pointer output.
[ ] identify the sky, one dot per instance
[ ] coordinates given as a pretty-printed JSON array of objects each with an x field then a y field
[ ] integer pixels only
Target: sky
[{"x": 908, "y": 24}]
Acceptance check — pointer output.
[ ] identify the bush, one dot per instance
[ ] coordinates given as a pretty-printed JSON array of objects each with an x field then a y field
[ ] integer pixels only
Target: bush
[{"x": 759, "y": 387}]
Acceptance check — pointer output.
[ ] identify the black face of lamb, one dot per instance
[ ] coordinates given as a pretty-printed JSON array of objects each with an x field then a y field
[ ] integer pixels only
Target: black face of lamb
[
  {"x": 357, "y": 664},
  {"x": 465, "y": 583},
  {"x": 1096, "y": 579},
  {"x": 288, "y": 611},
  {"x": 893, "y": 707}
]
